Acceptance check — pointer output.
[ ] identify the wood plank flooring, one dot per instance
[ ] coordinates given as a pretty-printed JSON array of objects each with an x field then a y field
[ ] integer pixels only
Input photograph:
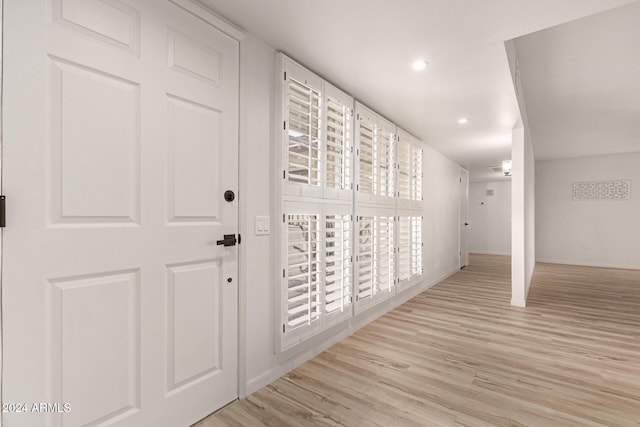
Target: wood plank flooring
[{"x": 460, "y": 355}]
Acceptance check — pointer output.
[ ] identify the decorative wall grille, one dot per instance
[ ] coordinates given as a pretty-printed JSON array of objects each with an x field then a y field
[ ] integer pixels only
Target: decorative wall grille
[{"x": 602, "y": 190}]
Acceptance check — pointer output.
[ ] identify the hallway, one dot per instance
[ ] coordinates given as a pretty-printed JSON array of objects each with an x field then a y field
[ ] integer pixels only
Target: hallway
[{"x": 460, "y": 355}]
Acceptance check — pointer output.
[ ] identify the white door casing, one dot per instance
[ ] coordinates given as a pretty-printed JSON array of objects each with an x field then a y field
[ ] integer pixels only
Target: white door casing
[{"x": 120, "y": 138}]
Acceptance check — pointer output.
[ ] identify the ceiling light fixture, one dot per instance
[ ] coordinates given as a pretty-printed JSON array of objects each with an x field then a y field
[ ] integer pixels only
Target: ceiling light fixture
[
  {"x": 506, "y": 167},
  {"x": 419, "y": 65},
  {"x": 463, "y": 121}
]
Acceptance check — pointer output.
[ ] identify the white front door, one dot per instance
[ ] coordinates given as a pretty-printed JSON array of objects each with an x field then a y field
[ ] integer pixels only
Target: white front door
[
  {"x": 464, "y": 217},
  {"x": 120, "y": 133}
]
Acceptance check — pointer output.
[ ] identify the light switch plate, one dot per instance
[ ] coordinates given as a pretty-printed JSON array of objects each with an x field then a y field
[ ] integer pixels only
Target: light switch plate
[{"x": 262, "y": 225}]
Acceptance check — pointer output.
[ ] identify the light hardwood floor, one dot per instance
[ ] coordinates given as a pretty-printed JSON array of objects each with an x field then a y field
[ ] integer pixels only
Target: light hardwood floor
[{"x": 460, "y": 355}]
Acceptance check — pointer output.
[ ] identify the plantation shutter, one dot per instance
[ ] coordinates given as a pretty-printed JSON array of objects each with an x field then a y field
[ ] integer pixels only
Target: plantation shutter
[
  {"x": 375, "y": 139},
  {"x": 302, "y": 305},
  {"x": 366, "y": 225},
  {"x": 416, "y": 173},
  {"x": 404, "y": 248},
  {"x": 383, "y": 255},
  {"x": 384, "y": 159},
  {"x": 366, "y": 148},
  {"x": 409, "y": 159},
  {"x": 416, "y": 246},
  {"x": 409, "y": 259},
  {"x": 338, "y": 144},
  {"x": 375, "y": 260},
  {"x": 338, "y": 257},
  {"x": 405, "y": 153},
  {"x": 303, "y": 97}
]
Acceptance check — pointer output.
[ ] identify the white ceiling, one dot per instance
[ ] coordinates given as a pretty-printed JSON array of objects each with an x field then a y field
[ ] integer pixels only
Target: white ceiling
[
  {"x": 366, "y": 47},
  {"x": 581, "y": 85}
]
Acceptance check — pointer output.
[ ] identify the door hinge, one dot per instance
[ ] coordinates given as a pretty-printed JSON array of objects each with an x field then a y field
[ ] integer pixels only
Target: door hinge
[
  {"x": 239, "y": 238},
  {"x": 3, "y": 211},
  {"x": 283, "y": 273},
  {"x": 283, "y": 328},
  {"x": 285, "y": 75},
  {"x": 284, "y": 126},
  {"x": 284, "y": 174}
]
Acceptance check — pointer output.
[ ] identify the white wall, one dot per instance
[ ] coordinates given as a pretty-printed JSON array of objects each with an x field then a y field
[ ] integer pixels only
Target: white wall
[
  {"x": 490, "y": 218},
  {"x": 522, "y": 216},
  {"x": 259, "y": 364},
  {"x": 441, "y": 227},
  {"x": 523, "y": 190},
  {"x": 257, "y": 68},
  {"x": 597, "y": 233},
  {"x": 529, "y": 212}
]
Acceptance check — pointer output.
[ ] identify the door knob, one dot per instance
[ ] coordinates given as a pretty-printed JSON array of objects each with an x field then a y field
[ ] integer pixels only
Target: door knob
[{"x": 229, "y": 240}]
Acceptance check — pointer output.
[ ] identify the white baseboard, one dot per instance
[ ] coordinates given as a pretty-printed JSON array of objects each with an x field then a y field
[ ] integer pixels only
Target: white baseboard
[
  {"x": 589, "y": 264},
  {"x": 349, "y": 328},
  {"x": 490, "y": 253}
]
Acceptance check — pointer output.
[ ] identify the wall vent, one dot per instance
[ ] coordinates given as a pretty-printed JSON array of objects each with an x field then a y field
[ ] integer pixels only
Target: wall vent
[{"x": 602, "y": 190}]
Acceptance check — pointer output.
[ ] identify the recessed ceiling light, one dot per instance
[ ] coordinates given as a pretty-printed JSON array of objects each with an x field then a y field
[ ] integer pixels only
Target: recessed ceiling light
[
  {"x": 419, "y": 65},
  {"x": 463, "y": 121}
]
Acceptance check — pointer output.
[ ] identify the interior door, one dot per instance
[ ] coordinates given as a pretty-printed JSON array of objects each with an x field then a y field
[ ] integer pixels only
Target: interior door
[
  {"x": 464, "y": 217},
  {"x": 120, "y": 140}
]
